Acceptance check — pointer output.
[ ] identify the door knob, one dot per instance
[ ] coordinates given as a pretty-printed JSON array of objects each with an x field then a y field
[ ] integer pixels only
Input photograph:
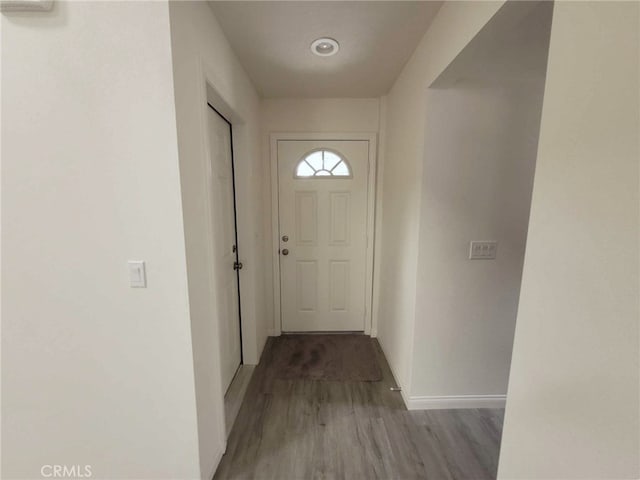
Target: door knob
[{"x": 285, "y": 251}]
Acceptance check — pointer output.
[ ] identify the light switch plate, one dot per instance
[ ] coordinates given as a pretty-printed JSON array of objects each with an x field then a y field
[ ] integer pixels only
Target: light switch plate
[
  {"x": 137, "y": 274},
  {"x": 483, "y": 250}
]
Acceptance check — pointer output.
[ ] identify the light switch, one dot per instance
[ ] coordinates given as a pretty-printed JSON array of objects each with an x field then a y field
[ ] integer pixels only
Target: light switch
[
  {"x": 137, "y": 274},
  {"x": 483, "y": 250}
]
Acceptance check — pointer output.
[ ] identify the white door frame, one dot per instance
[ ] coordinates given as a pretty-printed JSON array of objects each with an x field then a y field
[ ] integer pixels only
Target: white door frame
[
  {"x": 210, "y": 92},
  {"x": 371, "y": 215}
]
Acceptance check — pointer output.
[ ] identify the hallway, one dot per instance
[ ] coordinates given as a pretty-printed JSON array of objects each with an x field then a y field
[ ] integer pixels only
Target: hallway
[
  {"x": 291, "y": 429},
  {"x": 455, "y": 181}
]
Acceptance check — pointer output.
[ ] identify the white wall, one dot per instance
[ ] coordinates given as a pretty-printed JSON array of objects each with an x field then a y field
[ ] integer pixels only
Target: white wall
[
  {"x": 454, "y": 26},
  {"x": 480, "y": 151},
  {"x": 481, "y": 140},
  {"x": 93, "y": 371},
  {"x": 200, "y": 50},
  {"x": 307, "y": 115},
  {"x": 319, "y": 115},
  {"x": 572, "y": 408}
]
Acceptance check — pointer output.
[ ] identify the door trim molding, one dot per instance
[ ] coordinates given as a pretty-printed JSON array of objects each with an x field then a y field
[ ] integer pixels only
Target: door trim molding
[{"x": 369, "y": 137}]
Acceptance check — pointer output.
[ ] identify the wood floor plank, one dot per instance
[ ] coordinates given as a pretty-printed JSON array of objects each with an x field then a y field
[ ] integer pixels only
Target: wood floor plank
[{"x": 305, "y": 429}]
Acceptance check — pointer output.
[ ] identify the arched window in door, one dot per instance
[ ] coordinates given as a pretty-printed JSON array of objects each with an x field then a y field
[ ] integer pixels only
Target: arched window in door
[{"x": 324, "y": 164}]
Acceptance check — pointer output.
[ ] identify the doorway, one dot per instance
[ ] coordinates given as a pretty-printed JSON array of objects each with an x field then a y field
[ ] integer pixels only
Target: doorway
[
  {"x": 325, "y": 196},
  {"x": 225, "y": 243}
]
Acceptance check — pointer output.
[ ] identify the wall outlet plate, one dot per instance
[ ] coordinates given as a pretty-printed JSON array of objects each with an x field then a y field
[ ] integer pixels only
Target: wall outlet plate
[{"x": 483, "y": 250}]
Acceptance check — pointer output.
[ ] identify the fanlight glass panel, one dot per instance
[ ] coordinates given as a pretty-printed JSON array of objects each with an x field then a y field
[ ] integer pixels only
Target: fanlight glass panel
[
  {"x": 323, "y": 163},
  {"x": 341, "y": 170}
]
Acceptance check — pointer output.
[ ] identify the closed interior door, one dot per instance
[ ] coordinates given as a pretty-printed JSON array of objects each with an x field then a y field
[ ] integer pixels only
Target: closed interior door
[
  {"x": 323, "y": 234},
  {"x": 225, "y": 250}
]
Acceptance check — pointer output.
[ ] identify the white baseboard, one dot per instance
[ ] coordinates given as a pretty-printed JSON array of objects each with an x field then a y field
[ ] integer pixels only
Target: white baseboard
[
  {"x": 416, "y": 402},
  {"x": 403, "y": 394},
  {"x": 216, "y": 461},
  {"x": 25, "y": 5},
  {"x": 455, "y": 401}
]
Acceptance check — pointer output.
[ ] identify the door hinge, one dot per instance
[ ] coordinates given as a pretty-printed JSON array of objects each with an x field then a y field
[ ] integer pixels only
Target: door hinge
[{"x": 237, "y": 265}]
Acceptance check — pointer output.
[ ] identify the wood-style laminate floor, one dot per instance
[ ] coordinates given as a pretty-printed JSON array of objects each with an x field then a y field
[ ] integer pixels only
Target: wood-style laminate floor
[{"x": 303, "y": 429}]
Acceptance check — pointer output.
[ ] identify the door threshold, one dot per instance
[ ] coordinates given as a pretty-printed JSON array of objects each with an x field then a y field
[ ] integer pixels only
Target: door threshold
[{"x": 350, "y": 332}]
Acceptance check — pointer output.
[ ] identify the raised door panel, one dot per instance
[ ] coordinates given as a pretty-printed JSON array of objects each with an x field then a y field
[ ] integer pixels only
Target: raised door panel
[
  {"x": 339, "y": 285},
  {"x": 307, "y": 285},
  {"x": 306, "y": 218},
  {"x": 339, "y": 218}
]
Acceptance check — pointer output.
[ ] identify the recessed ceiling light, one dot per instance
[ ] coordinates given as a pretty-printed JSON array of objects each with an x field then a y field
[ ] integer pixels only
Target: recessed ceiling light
[{"x": 325, "y": 47}]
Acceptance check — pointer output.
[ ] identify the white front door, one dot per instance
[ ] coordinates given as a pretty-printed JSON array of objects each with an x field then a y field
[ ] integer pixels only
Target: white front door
[
  {"x": 224, "y": 244},
  {"x": 323, "y": 234}
]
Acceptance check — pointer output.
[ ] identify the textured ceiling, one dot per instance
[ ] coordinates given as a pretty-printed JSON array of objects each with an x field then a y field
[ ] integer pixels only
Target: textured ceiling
[{"x": 272, "y": 41}]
